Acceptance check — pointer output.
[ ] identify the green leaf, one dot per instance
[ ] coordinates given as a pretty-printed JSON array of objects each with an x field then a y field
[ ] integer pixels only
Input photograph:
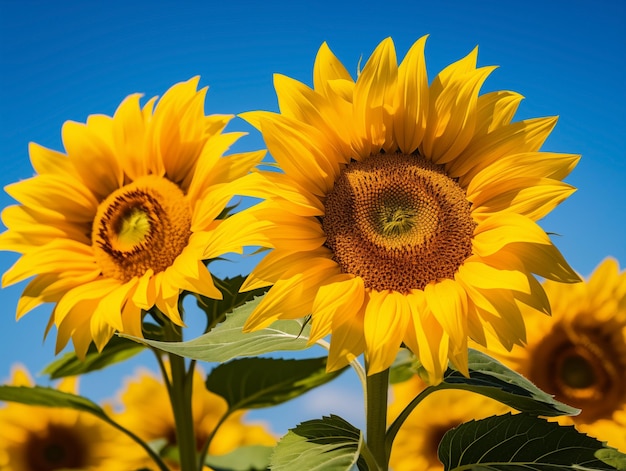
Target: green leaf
[
  {"x": 250, "y": 383},
  {"x": 519, "y": 442},
  {"x": 491, "y": 378},
  {"x": 49, "y": 397},
  {"x": 227, "y": 341},
  {"x": 216, "y": 309},
  {"x": 244, "y": 458},
  {"x": 116, "y": 350},
  {"x": 612, "y": 457},
  {"x": 327, "y": 444}
]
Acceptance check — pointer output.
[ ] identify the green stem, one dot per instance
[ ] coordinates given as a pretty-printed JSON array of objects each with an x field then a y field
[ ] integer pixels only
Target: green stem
[
  {"x": 376, "y": 416},
  {"x": 395, "y": 426},
  {"x": 180, "y": 397},
  {"x": 207, "y": 443},
  {"x": 155, "y": 457}
]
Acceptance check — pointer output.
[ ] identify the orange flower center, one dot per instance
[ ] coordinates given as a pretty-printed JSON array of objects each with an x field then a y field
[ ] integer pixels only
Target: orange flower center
[
  {"x": 143, "y": 225},
  {"x": 398, "y": 221}
]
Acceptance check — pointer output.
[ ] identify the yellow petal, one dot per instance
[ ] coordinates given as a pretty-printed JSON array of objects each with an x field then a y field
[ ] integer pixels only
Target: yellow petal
[
  {"x": 531, "y": 197},
  {"x": 431, "y": 342},
  {"x": 494, "y": 110},
  {"x": 411, "y": 100},
  {"x": 373, "y": 98},
  {"x": 58, "y": 255},
  {"x": 483, "y": 276},
  {"x": 90, "y": 149},
  {"x": 292, "y": 298},
  {"x": 109, "y": 309},
  {"x": 453, "y": 97},
  {"x": 212, "y": 151},
  {"x": 234, "y": 166},
  {"x": 298, "y": 101},
  {"x": 501, "y": 229},
  {"x": 528, "y": 165},
  {"x": 145, "y": 292},
  {"x": 47, "y": 161},
  {"x": 91, "y": 292},
  {"x": 327, "y": 67},
  {"x": 191, "y": 274},
  {"x": 81, "y": 338},
  {"x": 56, "y": 197},
  {"x": 448, "y": 302},
  {"x": 264, "y": 226},
  {"x": 20, "y": 376},
  {"x": 387, "y": 315},
  {"x": 516, "y": 138},
  {"x": 295, "y": 146},
  {"x": 130, "y": 137},
  {"x": 29, "y": 227},
  {"x": 49, "y": 288},
  {"x": 341, "y": 298},
  {"x": 544, "y": 260},
  {"x": 281, "y": 264},
  {"x": 293, "y": 197},
  {"x": 169, "y": 149},
  {"x": 346, "y": 344},
  {"x": 131, "y": 318}
]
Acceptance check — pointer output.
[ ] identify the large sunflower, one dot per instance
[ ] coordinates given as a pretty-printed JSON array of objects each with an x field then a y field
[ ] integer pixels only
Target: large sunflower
[
  {"x": 147, "y": 413},
  {"x": 122, "y": 221},
  {"x": 406, "y": 213},
  {"x": 579, "y": 354},
  {"x": 47, "y": 439},
  {"x": 416, "y": 445}
]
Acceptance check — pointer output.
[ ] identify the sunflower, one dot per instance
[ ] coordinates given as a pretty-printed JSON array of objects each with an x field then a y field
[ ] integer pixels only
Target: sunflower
[
  {"x": 416, "y": 444},
  {"x": 121, "y": 222},
  {"x": 46, "y": 439},
  {"x": 406, "y": 213},
  {"x": 148, "y": 414},
  {"x": 579, "y": 354}
]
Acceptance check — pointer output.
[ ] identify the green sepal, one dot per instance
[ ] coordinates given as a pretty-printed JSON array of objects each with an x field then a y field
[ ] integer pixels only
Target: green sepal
[{"x": 216, "y": 309}]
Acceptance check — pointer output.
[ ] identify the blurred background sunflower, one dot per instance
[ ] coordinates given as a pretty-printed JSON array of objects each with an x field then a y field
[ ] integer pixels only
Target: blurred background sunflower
[
  {"x": 579, "y": 354},
  {"x": 416, "y": 444},
  {"x": 50, "y": 439},
  {"x": 146, "y": 410}
]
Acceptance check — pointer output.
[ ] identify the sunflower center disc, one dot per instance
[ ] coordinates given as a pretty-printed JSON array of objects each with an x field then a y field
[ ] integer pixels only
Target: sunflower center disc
[
  {"x": 398, "y": 221},
  {"x": 143, "y": 225},
  {"x": 581, "y": 369},
  {"x": 58, "y": 447}
]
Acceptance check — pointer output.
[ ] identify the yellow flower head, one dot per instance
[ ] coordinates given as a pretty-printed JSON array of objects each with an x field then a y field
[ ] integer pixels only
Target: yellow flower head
[
  {"x": 406, "y": 212},
  {"x": 123, "y": 220},
  {"x": 48, "y": 439},
  {"x": 148, "y": 413},
  {"x": 579, "y": 354},
  {"x": 416, "y": 444}
]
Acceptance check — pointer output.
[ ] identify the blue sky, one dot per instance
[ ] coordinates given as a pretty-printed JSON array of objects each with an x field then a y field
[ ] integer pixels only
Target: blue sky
[{"x": 65, "y": 60}]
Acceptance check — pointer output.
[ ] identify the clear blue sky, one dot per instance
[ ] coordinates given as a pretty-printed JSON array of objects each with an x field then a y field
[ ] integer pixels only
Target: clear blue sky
[{"x": 65, "y": 60}]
